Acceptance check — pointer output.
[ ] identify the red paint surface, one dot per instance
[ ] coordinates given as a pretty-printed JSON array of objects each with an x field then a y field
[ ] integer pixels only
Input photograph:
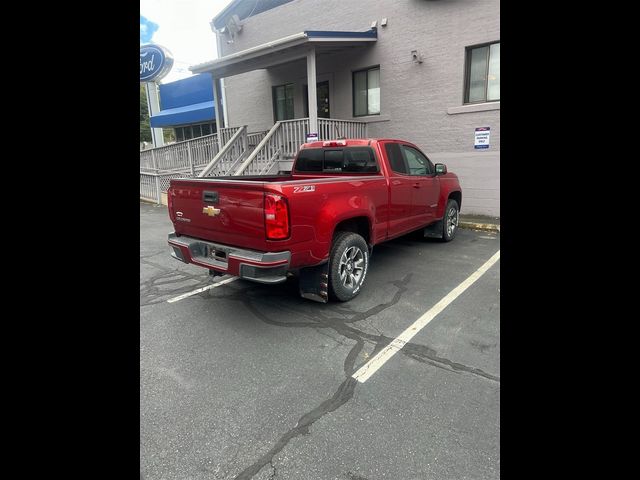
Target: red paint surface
[{"x": 392, "y": 203}]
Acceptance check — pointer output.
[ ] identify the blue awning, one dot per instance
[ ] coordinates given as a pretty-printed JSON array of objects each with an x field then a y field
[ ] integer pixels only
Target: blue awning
[{"x": 196, "y": 113}]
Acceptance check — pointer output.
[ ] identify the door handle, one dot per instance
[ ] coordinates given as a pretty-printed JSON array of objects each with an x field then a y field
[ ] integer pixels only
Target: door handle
[{"x": 416, "y": 185}]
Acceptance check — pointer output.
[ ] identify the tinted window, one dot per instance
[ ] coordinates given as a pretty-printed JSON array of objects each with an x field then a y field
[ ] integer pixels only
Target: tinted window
[
  {"x": 347, "y": 160},
  {"x": 417, "y": 162},
  {"x": 310, "y": 160},
  {"x": 333, "y": 160},
  {"x": 417, "y": 165},
  {"x": 395, "y": 158},
  {"x": 359, "y": 159}
]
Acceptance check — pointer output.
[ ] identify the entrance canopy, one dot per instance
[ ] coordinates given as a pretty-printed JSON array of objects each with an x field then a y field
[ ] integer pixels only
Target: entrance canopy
[{"x": 284, "y": 50}]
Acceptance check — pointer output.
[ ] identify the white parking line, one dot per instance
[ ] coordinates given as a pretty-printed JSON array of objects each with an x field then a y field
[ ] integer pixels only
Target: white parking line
[
  {"x": 208, "y": 287},
  {"x": 372, "y": 366}
]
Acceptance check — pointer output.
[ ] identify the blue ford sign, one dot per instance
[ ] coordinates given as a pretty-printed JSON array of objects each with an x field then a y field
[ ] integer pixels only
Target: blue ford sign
[{"x": 155, "y": 62}]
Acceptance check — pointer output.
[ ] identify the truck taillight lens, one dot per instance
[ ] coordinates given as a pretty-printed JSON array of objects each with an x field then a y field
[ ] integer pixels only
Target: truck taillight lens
[
  {"x": 170, "y": 204},
  {"x": 276, "y": 216}
]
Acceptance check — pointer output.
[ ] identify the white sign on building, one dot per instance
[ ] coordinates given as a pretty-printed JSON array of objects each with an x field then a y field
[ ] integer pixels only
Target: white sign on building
[{"x": 482, "y": 137}]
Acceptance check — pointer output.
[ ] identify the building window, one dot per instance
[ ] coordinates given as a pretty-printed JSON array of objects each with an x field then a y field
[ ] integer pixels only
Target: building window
[
  {"x": 366, "y": 92},
  {"x": 198, "y": 130},
  {"x": 482, "y": 83},
  {"x": 188, "y": 134},
  {"x": 283, "y": 102}
]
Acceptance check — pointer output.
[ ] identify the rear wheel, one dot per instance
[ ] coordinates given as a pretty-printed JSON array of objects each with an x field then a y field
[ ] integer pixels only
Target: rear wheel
[
  {"x": 450, "y": 220},
  {"x": 348, "y": 265}
]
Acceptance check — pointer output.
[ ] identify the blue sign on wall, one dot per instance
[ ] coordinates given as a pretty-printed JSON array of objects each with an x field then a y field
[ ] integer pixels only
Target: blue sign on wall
[{"x": 155, "y": 62}]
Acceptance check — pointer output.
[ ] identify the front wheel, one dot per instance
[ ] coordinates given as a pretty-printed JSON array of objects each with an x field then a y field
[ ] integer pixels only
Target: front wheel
[
  {"x": 348, "y": 265},
  {"x": 450, "y": 221}
]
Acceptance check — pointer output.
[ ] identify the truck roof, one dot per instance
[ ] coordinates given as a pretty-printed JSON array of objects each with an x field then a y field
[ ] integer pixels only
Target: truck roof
[{"x": 348, "y": 142}]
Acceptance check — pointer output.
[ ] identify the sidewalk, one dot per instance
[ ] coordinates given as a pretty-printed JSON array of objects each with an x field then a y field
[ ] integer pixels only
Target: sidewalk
[{"x": 480, "y": 222}]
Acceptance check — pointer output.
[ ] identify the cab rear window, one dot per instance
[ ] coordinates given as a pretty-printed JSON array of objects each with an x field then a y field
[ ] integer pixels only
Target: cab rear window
[{"x": 337, "y": 160}]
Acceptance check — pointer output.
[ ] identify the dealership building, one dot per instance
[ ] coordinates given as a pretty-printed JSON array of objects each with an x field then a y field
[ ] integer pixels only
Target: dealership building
[{"x": 425, "y": 71}]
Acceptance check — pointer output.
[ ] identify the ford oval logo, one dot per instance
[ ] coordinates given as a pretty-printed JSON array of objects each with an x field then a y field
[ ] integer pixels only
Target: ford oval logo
[{"x": 155, "y": 62}]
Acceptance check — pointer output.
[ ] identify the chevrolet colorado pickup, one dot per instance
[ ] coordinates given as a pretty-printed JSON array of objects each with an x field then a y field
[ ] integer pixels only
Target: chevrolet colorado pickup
[{"x": 320, "y": 222}]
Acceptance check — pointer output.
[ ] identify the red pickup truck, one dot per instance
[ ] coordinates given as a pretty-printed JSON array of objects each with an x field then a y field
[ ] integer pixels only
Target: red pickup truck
[{"x": 319, "y": 223}]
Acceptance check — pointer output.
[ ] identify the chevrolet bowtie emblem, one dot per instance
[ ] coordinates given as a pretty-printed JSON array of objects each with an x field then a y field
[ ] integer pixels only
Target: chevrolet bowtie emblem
[{"x": 211, "y": 211}]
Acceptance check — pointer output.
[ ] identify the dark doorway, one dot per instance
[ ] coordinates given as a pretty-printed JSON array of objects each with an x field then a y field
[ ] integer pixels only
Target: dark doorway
[{"x": 322, "y": 93}]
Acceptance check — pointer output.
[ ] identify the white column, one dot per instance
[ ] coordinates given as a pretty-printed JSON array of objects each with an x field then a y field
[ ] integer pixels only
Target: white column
[
  {"x": 216, "y": 104},
  {"x": 153, "y": 103},
  {"x": 219, "y": 41},
  {"x": 312, "y": 96}
]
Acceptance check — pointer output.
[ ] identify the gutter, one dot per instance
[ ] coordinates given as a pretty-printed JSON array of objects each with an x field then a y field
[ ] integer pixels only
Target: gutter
[{"x": 207, "y": 66}]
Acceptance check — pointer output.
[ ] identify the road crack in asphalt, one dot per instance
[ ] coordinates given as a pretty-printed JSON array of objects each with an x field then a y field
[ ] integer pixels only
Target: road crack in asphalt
[
  {"x": 151, "y": 291},
  {"x": 317, "y": 319},
  {"x": 345, "y": 391},
  {"x": 340, "y": 397},
  {"x": 275, "y": 472}
]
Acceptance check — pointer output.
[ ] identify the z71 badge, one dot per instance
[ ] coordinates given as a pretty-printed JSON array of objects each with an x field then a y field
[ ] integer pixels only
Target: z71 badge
[{"x": 304, "y": 188}]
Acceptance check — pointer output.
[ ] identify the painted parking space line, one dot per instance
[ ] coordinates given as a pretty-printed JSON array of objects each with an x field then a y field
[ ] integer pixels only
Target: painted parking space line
[
  {"x": 372, "y": 366},
  {"x": 208, "y": 287}
]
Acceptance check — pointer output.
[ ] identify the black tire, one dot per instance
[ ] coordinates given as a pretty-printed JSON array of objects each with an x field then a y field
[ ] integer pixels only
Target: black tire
[
  {"x": 450, "y": 220},
  {"x": 348, "y": 249}
]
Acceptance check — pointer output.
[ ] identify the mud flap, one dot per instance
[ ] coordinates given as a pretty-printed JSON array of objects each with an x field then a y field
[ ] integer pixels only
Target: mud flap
[
  {"x": 314, "y": 283},
  {"x": 434, "y": 230}
]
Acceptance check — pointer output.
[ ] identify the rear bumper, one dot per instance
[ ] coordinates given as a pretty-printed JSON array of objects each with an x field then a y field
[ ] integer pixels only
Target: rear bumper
[{"x": 262, "y": 267}]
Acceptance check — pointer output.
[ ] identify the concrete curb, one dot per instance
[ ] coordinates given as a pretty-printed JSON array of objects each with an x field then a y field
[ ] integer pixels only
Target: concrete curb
[{"x": 487, "y": 227}]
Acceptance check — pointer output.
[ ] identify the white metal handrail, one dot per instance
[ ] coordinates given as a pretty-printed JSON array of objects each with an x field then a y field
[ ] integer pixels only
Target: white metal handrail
[
  {"x": 331, "y": 128},
  {"x": 228, "y": 156},
  {"x": 284, "y": 139},
  {"x": 281, "y": 143},
  {"x": 255, "y": 138},
  {"x": 191, "y": 154},
  {"x": 267, "y": 144}
]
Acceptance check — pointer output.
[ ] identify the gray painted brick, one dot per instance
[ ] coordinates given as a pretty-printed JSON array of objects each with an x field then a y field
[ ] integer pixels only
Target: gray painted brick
[{"x": 414, "y": 97}]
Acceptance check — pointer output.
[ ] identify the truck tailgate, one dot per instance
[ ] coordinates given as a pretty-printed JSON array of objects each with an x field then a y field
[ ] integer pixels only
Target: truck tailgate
[{"x": 224, "y": 211}]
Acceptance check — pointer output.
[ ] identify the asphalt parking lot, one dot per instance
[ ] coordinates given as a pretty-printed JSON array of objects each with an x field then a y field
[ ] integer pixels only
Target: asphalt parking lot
[{"x": 251, "y": 381}]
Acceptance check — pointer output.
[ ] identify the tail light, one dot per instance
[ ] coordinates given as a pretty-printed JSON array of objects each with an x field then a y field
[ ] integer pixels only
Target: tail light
[
  {"x": 172, "y": 215},
  {"x": 276, "y": 216}
]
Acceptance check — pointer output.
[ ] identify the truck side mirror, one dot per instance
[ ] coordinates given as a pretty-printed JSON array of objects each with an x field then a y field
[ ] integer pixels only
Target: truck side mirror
[{"x": 441, "y": 169}]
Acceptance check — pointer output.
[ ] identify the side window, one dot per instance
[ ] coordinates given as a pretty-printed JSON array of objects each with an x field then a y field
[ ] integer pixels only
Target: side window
[
  {"x": 395, "y": 158},
  {"x": 417, "y": 162}
]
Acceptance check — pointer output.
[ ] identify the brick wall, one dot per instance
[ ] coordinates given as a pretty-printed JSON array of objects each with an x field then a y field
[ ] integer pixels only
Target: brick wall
[{"x": 415, "y": 98}]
